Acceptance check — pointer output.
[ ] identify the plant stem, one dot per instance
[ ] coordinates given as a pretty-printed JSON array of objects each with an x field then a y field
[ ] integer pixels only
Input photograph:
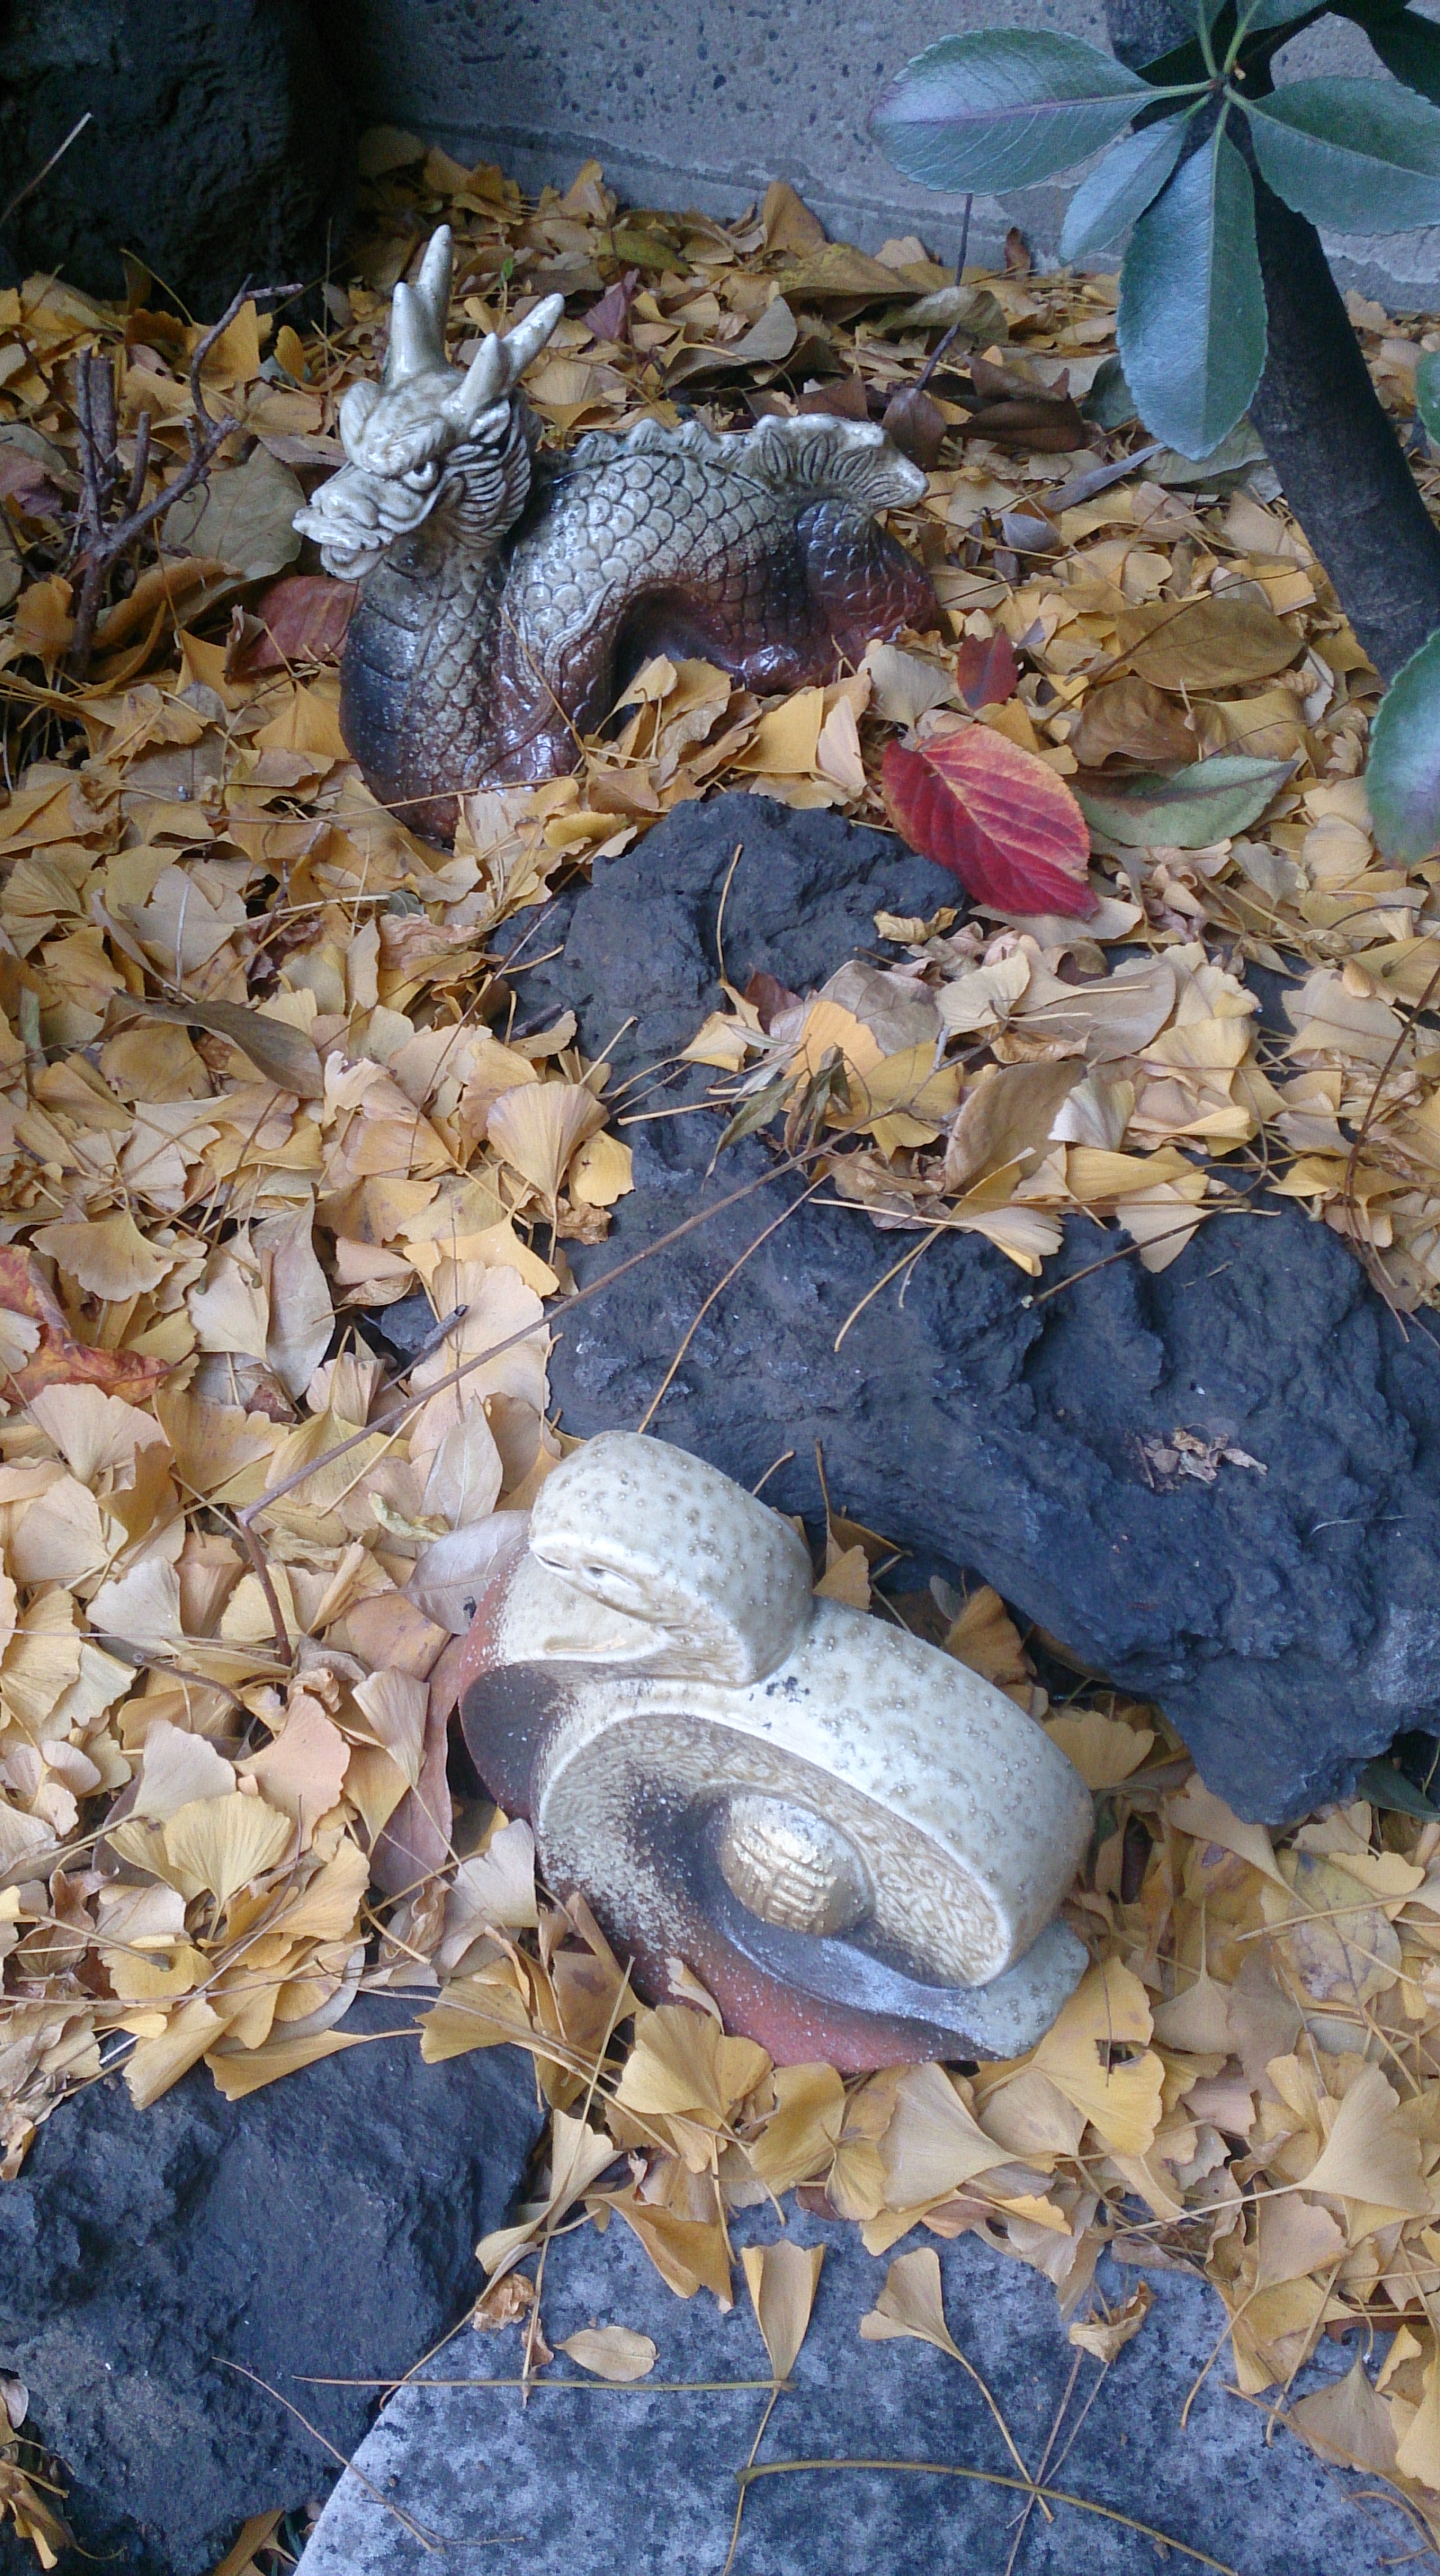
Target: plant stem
[{"x": 1325, "y": 431}]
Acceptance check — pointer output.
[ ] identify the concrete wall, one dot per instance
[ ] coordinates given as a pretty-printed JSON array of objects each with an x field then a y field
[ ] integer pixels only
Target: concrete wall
[{"x": 702, "y": 102}]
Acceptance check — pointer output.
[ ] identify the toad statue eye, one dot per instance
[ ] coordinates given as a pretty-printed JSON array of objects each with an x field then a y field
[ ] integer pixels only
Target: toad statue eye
[{"x": 421, "y": 478}]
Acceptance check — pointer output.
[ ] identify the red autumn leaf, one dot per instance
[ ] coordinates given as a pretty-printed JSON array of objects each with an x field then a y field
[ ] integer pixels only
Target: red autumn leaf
[
  {"x": 769, "y": 996},
  {"x": 610, "y": 318},
  {"x": 996, "y": 816},
  {"x": 303, "y": 617},
  {"x": 24, "y": 481},
  {"x": 986, "y": 671},
  {"x": 59, "y": 1359}
]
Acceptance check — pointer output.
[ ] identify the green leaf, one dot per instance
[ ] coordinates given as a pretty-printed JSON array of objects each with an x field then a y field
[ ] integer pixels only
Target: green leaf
[
  {"x": 1238, "y": 450},
  {"x": 1192, "y": 308},
  {"x": 1427, "y": 392},
  {"x": 1357, "y": 154},
  {"x": 1408, "y": 46},
  {"x": 1109, "y": 403},
  {"x": 242, "y": 513},
  {"x": 1001, "y": 109},
  {"x": 1132, "y": 173},
  {"x": 1209, "y": 802},
  {"x": 1402, "y": 779},
  {"x": 1276, "y": 13},
  {"x": 1386, "y": 1786}
]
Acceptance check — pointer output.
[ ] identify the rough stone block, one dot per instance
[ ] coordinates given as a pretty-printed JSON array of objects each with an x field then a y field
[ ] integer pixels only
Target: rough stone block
[
  {"x": 1286, "y": 1622},
  {"x": 325, "y": 2226},
  {"x": 219, "y": 147}
]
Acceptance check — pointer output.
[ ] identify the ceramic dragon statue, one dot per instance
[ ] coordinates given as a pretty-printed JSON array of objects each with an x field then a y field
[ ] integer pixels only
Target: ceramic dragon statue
[
  {"x": 857, "y": 1843},
  {"x": 509, "y": 595}
]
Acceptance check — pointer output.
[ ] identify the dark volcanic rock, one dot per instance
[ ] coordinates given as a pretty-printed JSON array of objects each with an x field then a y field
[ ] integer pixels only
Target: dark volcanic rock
[
  {"x": 1288, "y": 1623},
  {"x": 219, "y": 149},
  {"x": 326, "y": 2225},
  {"x": 546, "y": 2487}
]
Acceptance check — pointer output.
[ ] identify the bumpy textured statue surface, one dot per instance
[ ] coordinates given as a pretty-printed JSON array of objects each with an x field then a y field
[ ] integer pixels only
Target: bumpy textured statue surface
[
  {"x": 509, "y": 596},
  {"x": 856, "y": 1843}
]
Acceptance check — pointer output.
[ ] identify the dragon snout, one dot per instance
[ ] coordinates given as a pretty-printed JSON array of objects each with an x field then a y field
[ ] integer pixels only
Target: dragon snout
[{"x": 354, "y": 517}]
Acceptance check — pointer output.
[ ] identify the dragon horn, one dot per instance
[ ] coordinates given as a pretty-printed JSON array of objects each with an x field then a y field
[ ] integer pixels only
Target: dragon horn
[
  {"x": 433, "y": 283},
  {"x": 417, "y": 317},
  {"x": 499, "y": 364}
]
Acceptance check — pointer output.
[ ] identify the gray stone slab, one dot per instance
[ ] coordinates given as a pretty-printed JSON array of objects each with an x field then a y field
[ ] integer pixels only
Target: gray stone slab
[
  {"x": 641, "y": 2481},
  {"x": 704, "y": 106}
]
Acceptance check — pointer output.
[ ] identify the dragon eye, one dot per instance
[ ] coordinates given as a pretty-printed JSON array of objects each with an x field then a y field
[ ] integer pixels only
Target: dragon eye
[{"x": 421, "y": 478}]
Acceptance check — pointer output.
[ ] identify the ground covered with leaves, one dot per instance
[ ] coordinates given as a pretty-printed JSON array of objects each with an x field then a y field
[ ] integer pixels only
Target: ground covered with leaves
[{"x": 256, "y": 1073}]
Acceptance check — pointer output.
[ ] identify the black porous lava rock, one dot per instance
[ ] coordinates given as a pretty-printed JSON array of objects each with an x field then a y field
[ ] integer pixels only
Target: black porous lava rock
[
  {"x": 324, "y": 2226},
  {"x": 219, "y": 147},
  {"x": 1287, "y": 1622}
]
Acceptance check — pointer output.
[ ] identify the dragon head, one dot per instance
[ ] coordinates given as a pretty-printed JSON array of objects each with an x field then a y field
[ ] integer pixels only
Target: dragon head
[{"x": 426, "y": 425}]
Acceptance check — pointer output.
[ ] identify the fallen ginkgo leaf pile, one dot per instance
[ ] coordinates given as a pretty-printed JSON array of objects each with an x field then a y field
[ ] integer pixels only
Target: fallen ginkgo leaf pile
[{"x": 255, "y": 1072}]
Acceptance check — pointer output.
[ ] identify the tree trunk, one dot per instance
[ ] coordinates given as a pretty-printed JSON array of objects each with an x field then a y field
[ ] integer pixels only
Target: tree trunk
[
  {"x": 1325, "y": 431},
  {"x": 1340, "y": 464}
]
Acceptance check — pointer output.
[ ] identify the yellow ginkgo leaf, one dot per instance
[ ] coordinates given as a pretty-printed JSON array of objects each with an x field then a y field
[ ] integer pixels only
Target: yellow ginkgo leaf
[
  {"x": 247, "y": 2070},
  {"x": 578, "y": 2157},
  {"x": 216, "y": 1845},
  {"x": 616, "y": 2353},
  {"x": 602, "y": 1172},
  {"x": 1349, "y": 2423},
  {"x": 301, "y": 1770},
  {"x": 1197, "y": 2018},
  {"x": 1418, "y": 2452},
  {"x": 682, "y": 2064},
  {"x": 933, "y": 2144},
  {"x": 782, "y": 2280},
  {"x": 160, "y": 2061},
  {"x": 1198, "y": 1811},
  {"x": 911, "y": 2303},
  {"x": 800, "y": 2139},
  {"x": 1108, "y": 2010},
  {"x": 1368, "y": 2155},
  {"x": 110, "y": 1257},
  {"x": 1105, "y": 2336},
  {"x": 689, "y": 2253},
  {"x": 326, "y": 1909},
  {"x": 539, "y": 1126},
  {"x": 93, "y": 1430},
  {"x": 394, "y": 1705},
  {"x": 1103, "y": 1749},
  {"x": 986, "y": 1638}
]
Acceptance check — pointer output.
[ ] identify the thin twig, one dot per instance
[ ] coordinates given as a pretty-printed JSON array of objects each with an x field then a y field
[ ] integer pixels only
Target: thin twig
[
  {"x": 992, "y": 2478},
  {"x": 938, "y": 352},
  {"x": 429, "y": 2541},
  {"x": 18, "y": 200}
]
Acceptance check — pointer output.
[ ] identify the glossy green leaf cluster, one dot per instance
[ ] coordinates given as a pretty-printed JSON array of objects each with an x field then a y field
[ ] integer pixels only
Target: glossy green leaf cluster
[{"x": 1006, "y": 107}]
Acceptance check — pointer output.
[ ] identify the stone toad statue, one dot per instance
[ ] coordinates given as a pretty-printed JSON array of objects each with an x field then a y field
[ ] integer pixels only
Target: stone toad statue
[{"x": 857, "y": 1843}]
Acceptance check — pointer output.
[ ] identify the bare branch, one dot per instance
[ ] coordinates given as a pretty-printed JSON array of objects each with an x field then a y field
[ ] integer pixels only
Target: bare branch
[{"x": 106, "y": 538}]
